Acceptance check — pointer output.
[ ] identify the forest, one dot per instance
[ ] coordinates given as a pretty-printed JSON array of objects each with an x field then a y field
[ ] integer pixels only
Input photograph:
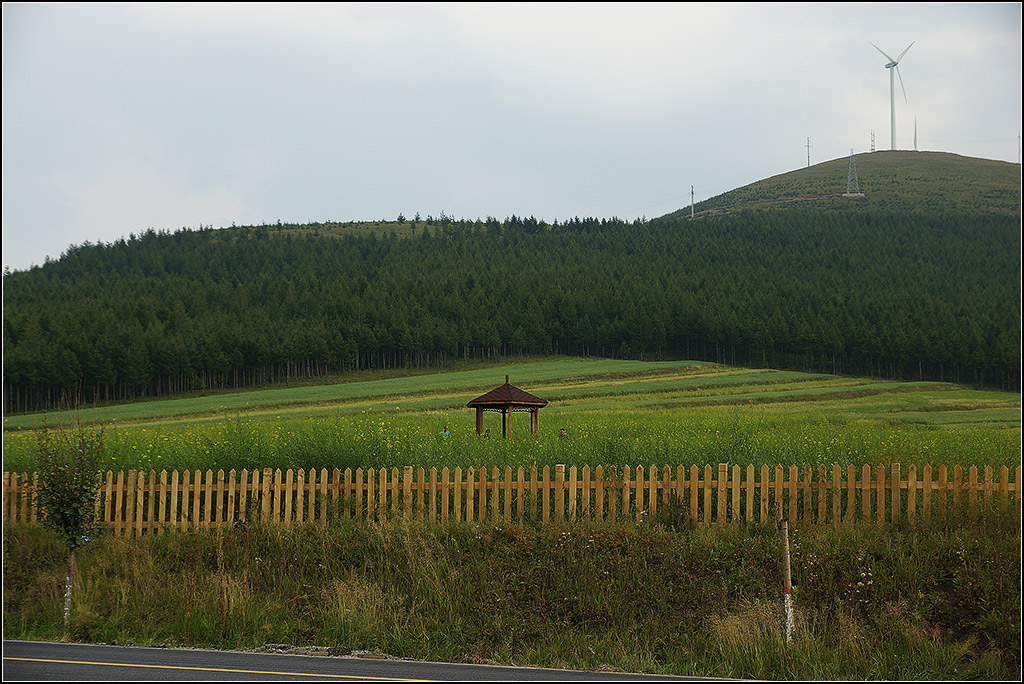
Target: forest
[{"x": 882, "y": 293}]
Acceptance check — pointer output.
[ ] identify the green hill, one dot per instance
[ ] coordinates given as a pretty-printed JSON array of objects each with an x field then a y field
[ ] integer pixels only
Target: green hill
[
  {"x": 936, "y": 181},
  {"x": 919, "y": 279}
]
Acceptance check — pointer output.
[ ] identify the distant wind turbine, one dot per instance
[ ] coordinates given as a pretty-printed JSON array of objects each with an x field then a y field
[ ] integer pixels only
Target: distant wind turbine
[{"x": 892, "y": 66}]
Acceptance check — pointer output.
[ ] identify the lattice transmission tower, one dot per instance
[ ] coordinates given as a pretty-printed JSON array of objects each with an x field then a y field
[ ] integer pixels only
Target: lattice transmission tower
[{"x": 852, "y": 185}]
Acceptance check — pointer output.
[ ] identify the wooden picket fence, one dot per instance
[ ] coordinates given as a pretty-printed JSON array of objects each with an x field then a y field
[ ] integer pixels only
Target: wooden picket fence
[{"x": 139, "y": 502}]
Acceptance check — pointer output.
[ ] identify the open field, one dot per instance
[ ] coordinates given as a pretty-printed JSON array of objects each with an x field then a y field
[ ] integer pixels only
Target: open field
[
  {"x": 615, "y": 412},
  {"x": 872, "y": 601}
]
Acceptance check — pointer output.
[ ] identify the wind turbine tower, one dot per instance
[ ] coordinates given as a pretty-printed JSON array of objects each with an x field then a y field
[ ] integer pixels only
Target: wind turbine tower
[{"x": 893, "y": 66}]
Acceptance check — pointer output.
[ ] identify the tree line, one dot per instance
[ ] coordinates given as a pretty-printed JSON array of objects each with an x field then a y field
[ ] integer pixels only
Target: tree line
[{"x": 928, "y": 295}]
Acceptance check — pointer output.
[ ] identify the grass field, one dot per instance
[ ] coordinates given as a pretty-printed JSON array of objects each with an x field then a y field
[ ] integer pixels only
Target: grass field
[
  {"x": 872, "y": 602},
  {"x": 615, "y": 412}
]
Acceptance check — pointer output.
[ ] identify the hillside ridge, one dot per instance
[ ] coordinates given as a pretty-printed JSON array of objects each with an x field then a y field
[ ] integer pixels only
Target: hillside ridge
[{"x": 888, "y": 180}]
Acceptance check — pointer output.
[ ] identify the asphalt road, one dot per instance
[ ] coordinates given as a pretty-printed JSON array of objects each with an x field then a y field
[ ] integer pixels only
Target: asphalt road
[{"x": 38, "y": 661}]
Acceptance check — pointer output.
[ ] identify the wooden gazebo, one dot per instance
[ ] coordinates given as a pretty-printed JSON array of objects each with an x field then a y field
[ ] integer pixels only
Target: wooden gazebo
[{"x": 507, "y": 399}]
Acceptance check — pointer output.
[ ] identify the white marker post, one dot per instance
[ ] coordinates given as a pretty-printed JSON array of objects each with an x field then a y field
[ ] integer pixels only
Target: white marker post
[{"x": 787, "y": 581}]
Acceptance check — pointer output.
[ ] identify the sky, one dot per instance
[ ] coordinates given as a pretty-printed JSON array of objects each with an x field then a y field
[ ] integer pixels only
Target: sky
[{"x": 118, "y": 118}]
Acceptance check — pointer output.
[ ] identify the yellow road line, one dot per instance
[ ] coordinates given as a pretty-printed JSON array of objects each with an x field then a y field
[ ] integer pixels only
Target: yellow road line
[{"x": 217, "y": 669}]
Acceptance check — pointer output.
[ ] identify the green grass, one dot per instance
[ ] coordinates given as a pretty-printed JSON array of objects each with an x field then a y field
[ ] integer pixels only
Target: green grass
[
  {"x": 615, "y": 413},
  {"x": 354, "y": 395},
  {"x": 891, "y": 180},
  {"x": 871, "y": 602}
]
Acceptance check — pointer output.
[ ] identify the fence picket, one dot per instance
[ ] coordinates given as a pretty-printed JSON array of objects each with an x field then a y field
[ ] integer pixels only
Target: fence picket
[
  {"x": 837, "y": 498},
  {"x": 880, "y": 501},
  {"x": 895, "y": 502},
  {"x": 972, "y": 490},
  {"x": 137, "y": 502},
  {"x": 822, "y": 494},
  {"x": 943, "y": 486},
  {"x": 926, "y": 494},
  {"x": 851, "y": 493},
  {"x": 989, "y": 481},
  {"x": 911, "y": 493}
]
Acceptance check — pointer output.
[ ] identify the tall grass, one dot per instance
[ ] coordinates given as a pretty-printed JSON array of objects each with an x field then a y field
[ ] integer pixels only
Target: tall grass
[
  {"x": 695, "y": 602},
  {"x": 741, "y": 436}
]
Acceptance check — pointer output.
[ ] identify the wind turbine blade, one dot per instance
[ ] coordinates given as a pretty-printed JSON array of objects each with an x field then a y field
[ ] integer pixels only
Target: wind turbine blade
[
  {"x": 904, "y": 52},
  {"x": 880, "y": 50},
  {"x": 905, "y": 101}
]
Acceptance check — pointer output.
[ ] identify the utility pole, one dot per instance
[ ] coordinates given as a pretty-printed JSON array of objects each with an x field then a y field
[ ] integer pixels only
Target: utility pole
[
  {"x": 691, "y": 201},
  {"x": 808, "y": 152}
]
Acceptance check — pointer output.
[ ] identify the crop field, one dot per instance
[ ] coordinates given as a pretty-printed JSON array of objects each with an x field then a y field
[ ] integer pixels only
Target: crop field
[{"x": 614, "y": 412}]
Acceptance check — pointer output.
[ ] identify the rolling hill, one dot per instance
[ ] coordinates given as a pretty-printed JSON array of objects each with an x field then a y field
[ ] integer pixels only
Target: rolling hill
[{"x": 918, "y": 280}]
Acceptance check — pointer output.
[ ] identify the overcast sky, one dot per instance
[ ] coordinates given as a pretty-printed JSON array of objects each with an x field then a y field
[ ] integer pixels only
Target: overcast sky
[{"x": 118, "y": 118}]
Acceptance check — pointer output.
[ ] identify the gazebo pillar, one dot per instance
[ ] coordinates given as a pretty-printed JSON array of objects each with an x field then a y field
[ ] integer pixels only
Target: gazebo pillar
[
  {"x": 506, "y": 422},
  {"x": 534, "y": 421},
  {"x": 479, "y": 420}
]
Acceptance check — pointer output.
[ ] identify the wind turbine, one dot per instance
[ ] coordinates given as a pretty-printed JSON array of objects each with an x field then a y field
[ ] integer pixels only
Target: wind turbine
[{"x": 892, "y": 66}]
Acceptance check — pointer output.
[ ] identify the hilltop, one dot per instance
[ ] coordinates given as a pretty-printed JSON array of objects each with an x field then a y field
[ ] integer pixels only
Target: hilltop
[
  {"x": 901, "y": 180},
  {"x": 915, "y": 181}
]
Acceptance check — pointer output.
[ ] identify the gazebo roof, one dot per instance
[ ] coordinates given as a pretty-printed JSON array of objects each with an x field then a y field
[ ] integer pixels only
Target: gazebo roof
[{"x": 507, "y": 395}]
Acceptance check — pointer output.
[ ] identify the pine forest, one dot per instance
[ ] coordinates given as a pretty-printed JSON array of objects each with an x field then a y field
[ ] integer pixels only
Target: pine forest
[{"x": 881, "y": 292}]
